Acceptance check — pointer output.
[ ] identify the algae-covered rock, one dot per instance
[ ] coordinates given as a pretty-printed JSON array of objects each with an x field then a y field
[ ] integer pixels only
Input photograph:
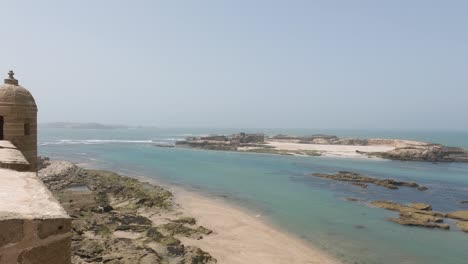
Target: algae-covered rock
[
  {"x": 124, "y": 250},
  {"x": 460, "y": 215},
  {"x": 154, "y": 234},
  {"x": 194, "y": 255},
  {"x": 416, "y": 214},
  {"x": 173, "y": 245},
  {"x": 363, "y": 181},
  {"x": 132, "y": 219},
  {"x": 103, "y": 202},
  {"x": 422, "y": 220},
  {"x": 180, "y": 229},
  {"x": 89, "y": 249},
  {"x": 186, "y": 220}
]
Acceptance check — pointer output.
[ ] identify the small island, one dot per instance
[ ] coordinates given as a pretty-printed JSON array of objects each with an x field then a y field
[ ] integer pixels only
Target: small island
[{"x": 329, "y": 145}]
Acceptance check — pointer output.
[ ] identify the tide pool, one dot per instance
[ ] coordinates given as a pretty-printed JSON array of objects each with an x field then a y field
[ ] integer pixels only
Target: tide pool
[{"x": 281, "y": 190}]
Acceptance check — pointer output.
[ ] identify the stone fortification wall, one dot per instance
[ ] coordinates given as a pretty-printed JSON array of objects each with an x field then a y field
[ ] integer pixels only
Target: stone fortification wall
[{"x": 34, "y": 228}]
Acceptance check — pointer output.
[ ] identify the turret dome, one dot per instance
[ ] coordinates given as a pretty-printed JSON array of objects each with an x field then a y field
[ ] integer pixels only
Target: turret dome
[{"x": 13, "y": 94}]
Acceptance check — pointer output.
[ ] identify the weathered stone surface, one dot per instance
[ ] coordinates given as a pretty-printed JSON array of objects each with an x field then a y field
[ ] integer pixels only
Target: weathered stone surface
[
  {"x": 426, "y": 152},
  {"x": 412, "y": 216},
  {"x": 362, "y": 181},
  {"x": 421, "y": 206},
  {"x": 186, "y": 220},
  {"x": 460, "y": 215},
  {"x": 89, "y": 249},
  {"x": 194, "y": 255},
  {"x": 154, "y": 234},
  {"x": 19, "y": 111},
  {"x": 463, "y": 226},
  {"x": 173, "y": 246},
  {"x": 48, "y": 227},
  {"x": 57, "y": 252},
  {"x": 180, "y": 229},
  {"x": 404, "y": 208},
  {"x": 11, "y": 231},
  {"x": 125, "y": 251},
  {"x": 422, "y": 220}
]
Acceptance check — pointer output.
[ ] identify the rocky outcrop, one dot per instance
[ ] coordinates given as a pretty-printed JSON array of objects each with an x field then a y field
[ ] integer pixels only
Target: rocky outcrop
[
  {"x": 415, "y": 214},
  {"x": 362, "y": 181},
  {"x": 111, "y": 218},
  {"x": 460, "y": 215},
  {"x": 430, "y": 152}
]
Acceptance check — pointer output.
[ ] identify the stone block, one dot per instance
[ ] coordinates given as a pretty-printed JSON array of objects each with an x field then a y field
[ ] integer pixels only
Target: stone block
[
  {"x": 11, "y": 231},
  {"x": 57, "y": 252},
  {"x": 48, "y": 227}
]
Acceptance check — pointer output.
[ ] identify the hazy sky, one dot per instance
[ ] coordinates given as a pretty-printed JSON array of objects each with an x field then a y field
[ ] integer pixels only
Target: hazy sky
[{"x": 303, "y": 64}]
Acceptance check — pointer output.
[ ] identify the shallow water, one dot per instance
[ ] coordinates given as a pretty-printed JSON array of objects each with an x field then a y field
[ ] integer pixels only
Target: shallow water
[{"x": 281, "y": 189}]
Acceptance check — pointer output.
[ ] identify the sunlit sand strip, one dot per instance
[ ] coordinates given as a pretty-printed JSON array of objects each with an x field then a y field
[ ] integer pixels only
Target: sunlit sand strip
[
  {"x": 330, "y": 150},
  {"x": 242, "y": 238}
]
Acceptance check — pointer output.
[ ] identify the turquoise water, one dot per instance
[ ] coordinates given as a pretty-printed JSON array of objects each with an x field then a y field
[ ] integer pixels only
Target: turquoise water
[{"x": 280, "y": 188}]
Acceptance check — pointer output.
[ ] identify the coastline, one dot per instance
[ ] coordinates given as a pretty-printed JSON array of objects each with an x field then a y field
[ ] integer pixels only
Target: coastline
[{"x": 239, "y": 236}]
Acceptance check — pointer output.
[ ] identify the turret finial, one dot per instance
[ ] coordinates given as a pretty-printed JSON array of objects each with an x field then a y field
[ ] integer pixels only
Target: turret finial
[{"x": 11, "y": 79}]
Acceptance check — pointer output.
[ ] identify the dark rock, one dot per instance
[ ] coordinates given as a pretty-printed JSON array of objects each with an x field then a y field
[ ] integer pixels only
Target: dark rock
[
  {"x": 186, "y": 220},
  {"x": 132, "y": 220},
  {"x": 173, "y": 245},
  {"x": 362, "y": 181},
  {"x": 154, "y": 234},
  {"x": 194, "y": 255},
  {"x": 180, "y": 229}
]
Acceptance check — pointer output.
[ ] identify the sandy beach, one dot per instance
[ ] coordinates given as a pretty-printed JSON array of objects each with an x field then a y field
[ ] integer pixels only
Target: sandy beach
[
  {"x": 331, "y": 150},
  {"x": 241, "y": 237}
]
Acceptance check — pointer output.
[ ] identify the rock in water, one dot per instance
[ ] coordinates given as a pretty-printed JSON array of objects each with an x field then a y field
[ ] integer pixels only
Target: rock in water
[
  {"x": 362, "y": 181},
  {"x": 421, "y": 206},
  {"x": 416, "y": 214},
  {"x": 463, "y": 226},
  {"x": 460, "y": 215},
  {"x": 417, "y": 219}
]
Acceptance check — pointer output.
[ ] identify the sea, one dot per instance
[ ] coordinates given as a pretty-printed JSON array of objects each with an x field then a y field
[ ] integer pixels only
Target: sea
[{"x": 282, "y": 191}]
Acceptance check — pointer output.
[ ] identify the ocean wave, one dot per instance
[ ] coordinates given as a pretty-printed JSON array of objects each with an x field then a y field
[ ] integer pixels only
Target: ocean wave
[{"x": 97, "y": 141}]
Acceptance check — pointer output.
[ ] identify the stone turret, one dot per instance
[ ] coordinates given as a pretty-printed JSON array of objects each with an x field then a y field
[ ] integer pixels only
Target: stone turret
[{"x": 18, "y": 118}]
